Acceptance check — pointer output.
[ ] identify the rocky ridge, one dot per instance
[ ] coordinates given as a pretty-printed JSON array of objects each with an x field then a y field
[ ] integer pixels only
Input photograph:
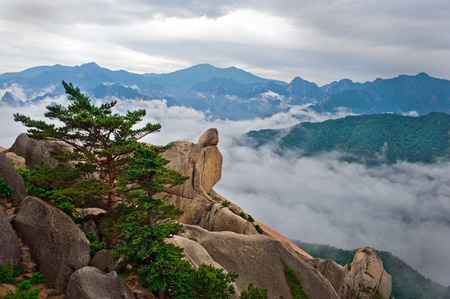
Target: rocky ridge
[{"x": 215, "y": 234}]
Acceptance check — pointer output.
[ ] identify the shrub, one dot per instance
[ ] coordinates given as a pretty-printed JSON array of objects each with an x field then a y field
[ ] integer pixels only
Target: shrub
[
  {"x": 5, "y": 189},
  {"x": 211, "y": 282},
  {"x": 39, "y": 278},
  {"x": 250, "y": 218},
  {"x": 294, "y": 284},
  {"x": 94, "y": 243},
  {"x": 225, "y": 203},
  {"x": 24, "y": 291},
  {"x": 243, "y": 215},
  {"x": 67, "y": 207},
  {"x": 253, "y": 292},
  {"x": 6, "y": 273},
  {"x": 25, "y": 174},
  {"x": 259, "y": 229}
]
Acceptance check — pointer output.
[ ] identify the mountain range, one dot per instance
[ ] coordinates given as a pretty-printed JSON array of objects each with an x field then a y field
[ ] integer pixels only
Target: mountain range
[{"x": 232, "y": 92}]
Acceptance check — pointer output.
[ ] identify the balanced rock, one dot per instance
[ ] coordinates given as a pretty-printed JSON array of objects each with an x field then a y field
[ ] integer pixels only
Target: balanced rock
[
  {"x": 209, "y": 138},
  {"x": 9, "y": 245},
  {"x": 91, "y": 283},
  {"x": 15, "y": 181},
  {"x": 57, "y": 244}
]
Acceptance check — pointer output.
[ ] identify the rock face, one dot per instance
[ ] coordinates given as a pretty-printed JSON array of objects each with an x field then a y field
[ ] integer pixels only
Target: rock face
[
  {"x": 15, "y": 181},
  {"x": 363, "y": 278},
  {"x": 17, "y": 161},
  {"x": 261, "y": 260},
  {"x": 91, "y": 283},
  {"x": 105, "y": 262},
  {"x": 35, "y": 151},
  {"x": 9, "y": 245},
  {"x": 57, "y": 244},
  {"x": 202, "y": 162}
]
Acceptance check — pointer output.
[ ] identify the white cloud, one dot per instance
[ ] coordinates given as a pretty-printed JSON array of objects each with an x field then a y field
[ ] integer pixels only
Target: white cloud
[{"x": 401, "y": 208}]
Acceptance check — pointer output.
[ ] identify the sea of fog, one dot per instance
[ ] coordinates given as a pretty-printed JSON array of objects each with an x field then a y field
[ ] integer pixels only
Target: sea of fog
[{"x": 402, "y": 208}]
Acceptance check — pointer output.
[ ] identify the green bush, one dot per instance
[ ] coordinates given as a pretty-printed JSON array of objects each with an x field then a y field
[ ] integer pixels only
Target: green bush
[
  {"x": 6, "y": 273},
  {"x": 243, "y": 215},
  {"x": 5, "y": 189},
  {"x": 225, "y": 203},
  {"x": 24, "y": 291},
  {"x": 250, "y": 218},
  {"x": 67, "y": 207},
  {"x": 38, "y": 277},
  {"x": 25, "y": 174},
  {"x": 94, "y": 243},
  {"x": 253, "y": 292},
  {"x": 294, "y": 284},
  {"x": 259, "y": 229},
  {"x": 211, "y": 282}
]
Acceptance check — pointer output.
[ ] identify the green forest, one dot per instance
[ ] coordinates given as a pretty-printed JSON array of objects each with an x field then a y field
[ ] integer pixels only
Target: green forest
[{"x": 372, "y": 139}]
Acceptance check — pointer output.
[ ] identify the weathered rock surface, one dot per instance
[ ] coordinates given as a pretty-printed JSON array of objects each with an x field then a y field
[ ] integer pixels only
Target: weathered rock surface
[
  {"x": 202, "y": 162},
  {"x": 15, "y": 181},
  {"x": 91, "y": 283},
  {"x": 16, "y": 161},
  {"x": 57, "y": 244},
  {"x": 9, "y": 245},
  {"x": 363, "y": 278},
  {"x": 105, "y": 262},
  {"x": 261, "y": 260},
  {"x": 194, "y": 253},
  {"x": 35, "y": 151}
]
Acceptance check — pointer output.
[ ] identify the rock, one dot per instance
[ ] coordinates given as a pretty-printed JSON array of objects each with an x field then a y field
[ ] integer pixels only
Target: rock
[
  {"x": 17, "y": 161},
  {"x": 7, "y": 288},
  {"x": 105, "y": 262},
  {"x": 363, "y": 278},
  {"x": 209, "y": 138},
  {"x": 9, "y": 245},
  {"x": 194, "y": 253},
  {"x": 90, "y": 227},
  {"x": 57, "y": 244},
  {"x": 15, "y": 181},
  {"x": 261, "y": 260},
  {"x": 92, "y": 214},
  {"x": 91, "y": 283},
  {"x": 35, "y": 151},
  {"x": 143, "y": 294}
]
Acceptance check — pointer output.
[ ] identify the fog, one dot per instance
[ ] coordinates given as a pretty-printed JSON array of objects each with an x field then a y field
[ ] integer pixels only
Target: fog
[{"x": 403, "y": 208}]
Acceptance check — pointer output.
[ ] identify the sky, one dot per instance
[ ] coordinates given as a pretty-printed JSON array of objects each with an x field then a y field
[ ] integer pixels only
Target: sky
[
  {"x": 318, "y": 40},
  {"x": 401, "y": 208}
]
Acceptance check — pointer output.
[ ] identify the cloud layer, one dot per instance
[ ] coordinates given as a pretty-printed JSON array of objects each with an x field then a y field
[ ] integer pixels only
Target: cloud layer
[
  {"x": 401, "y": 208},
  {"x": 318, "y": 40}
]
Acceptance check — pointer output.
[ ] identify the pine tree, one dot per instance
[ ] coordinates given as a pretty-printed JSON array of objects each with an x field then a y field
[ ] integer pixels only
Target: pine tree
[{"x": 96, "y": 134}]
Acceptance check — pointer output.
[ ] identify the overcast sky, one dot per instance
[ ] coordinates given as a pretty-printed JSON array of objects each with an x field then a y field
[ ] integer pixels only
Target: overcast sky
[{"x": 319, "y": 40}]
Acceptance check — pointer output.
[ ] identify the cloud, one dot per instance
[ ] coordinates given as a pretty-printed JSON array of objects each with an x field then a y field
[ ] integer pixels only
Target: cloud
[{"x": 402, "y": 208}]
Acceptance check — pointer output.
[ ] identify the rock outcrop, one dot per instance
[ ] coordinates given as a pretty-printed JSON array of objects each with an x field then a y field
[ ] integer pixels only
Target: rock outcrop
[
  {"x": 202, "y": 162},
  {"x": 105, "y": 262},
  {"x": 57, "y": 244},
  {"x": 91, "y": 283},
  {"x": 363, "y": 278},
  {"x": 16, "y": 161},
  {"x": 15, "y": 181},
  {"x": 35, "y": 151},
  {"x": 261, "y": 260},
  {"x": 9, "y": 245}
]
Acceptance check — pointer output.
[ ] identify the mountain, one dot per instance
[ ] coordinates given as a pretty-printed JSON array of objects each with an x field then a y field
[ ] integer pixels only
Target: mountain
[
  {"x": 407, "y": 283},
  {"x": 11, "y": 99},
  {"x": 420, "y": 93},
  {"x": 376, "y": 138},
  {"x": 233, "y": 93}
]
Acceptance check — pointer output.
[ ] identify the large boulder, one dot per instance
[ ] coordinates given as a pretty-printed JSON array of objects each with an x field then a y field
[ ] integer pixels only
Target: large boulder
[
  {"x": 261, "y": 260},
  {"x": 363, "y": 278},
  {"x": 35, "y": 151},
  {"x": 57, "y": 244},
  {"x": 9, "y": 245},
  {"x": 15, "y": 181},
  {"x": 105, "y": 262},
  {"x": 202, "y": 163},
  {"x": 91, "y": 283},
  {"x": 366, "y": 276}
]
